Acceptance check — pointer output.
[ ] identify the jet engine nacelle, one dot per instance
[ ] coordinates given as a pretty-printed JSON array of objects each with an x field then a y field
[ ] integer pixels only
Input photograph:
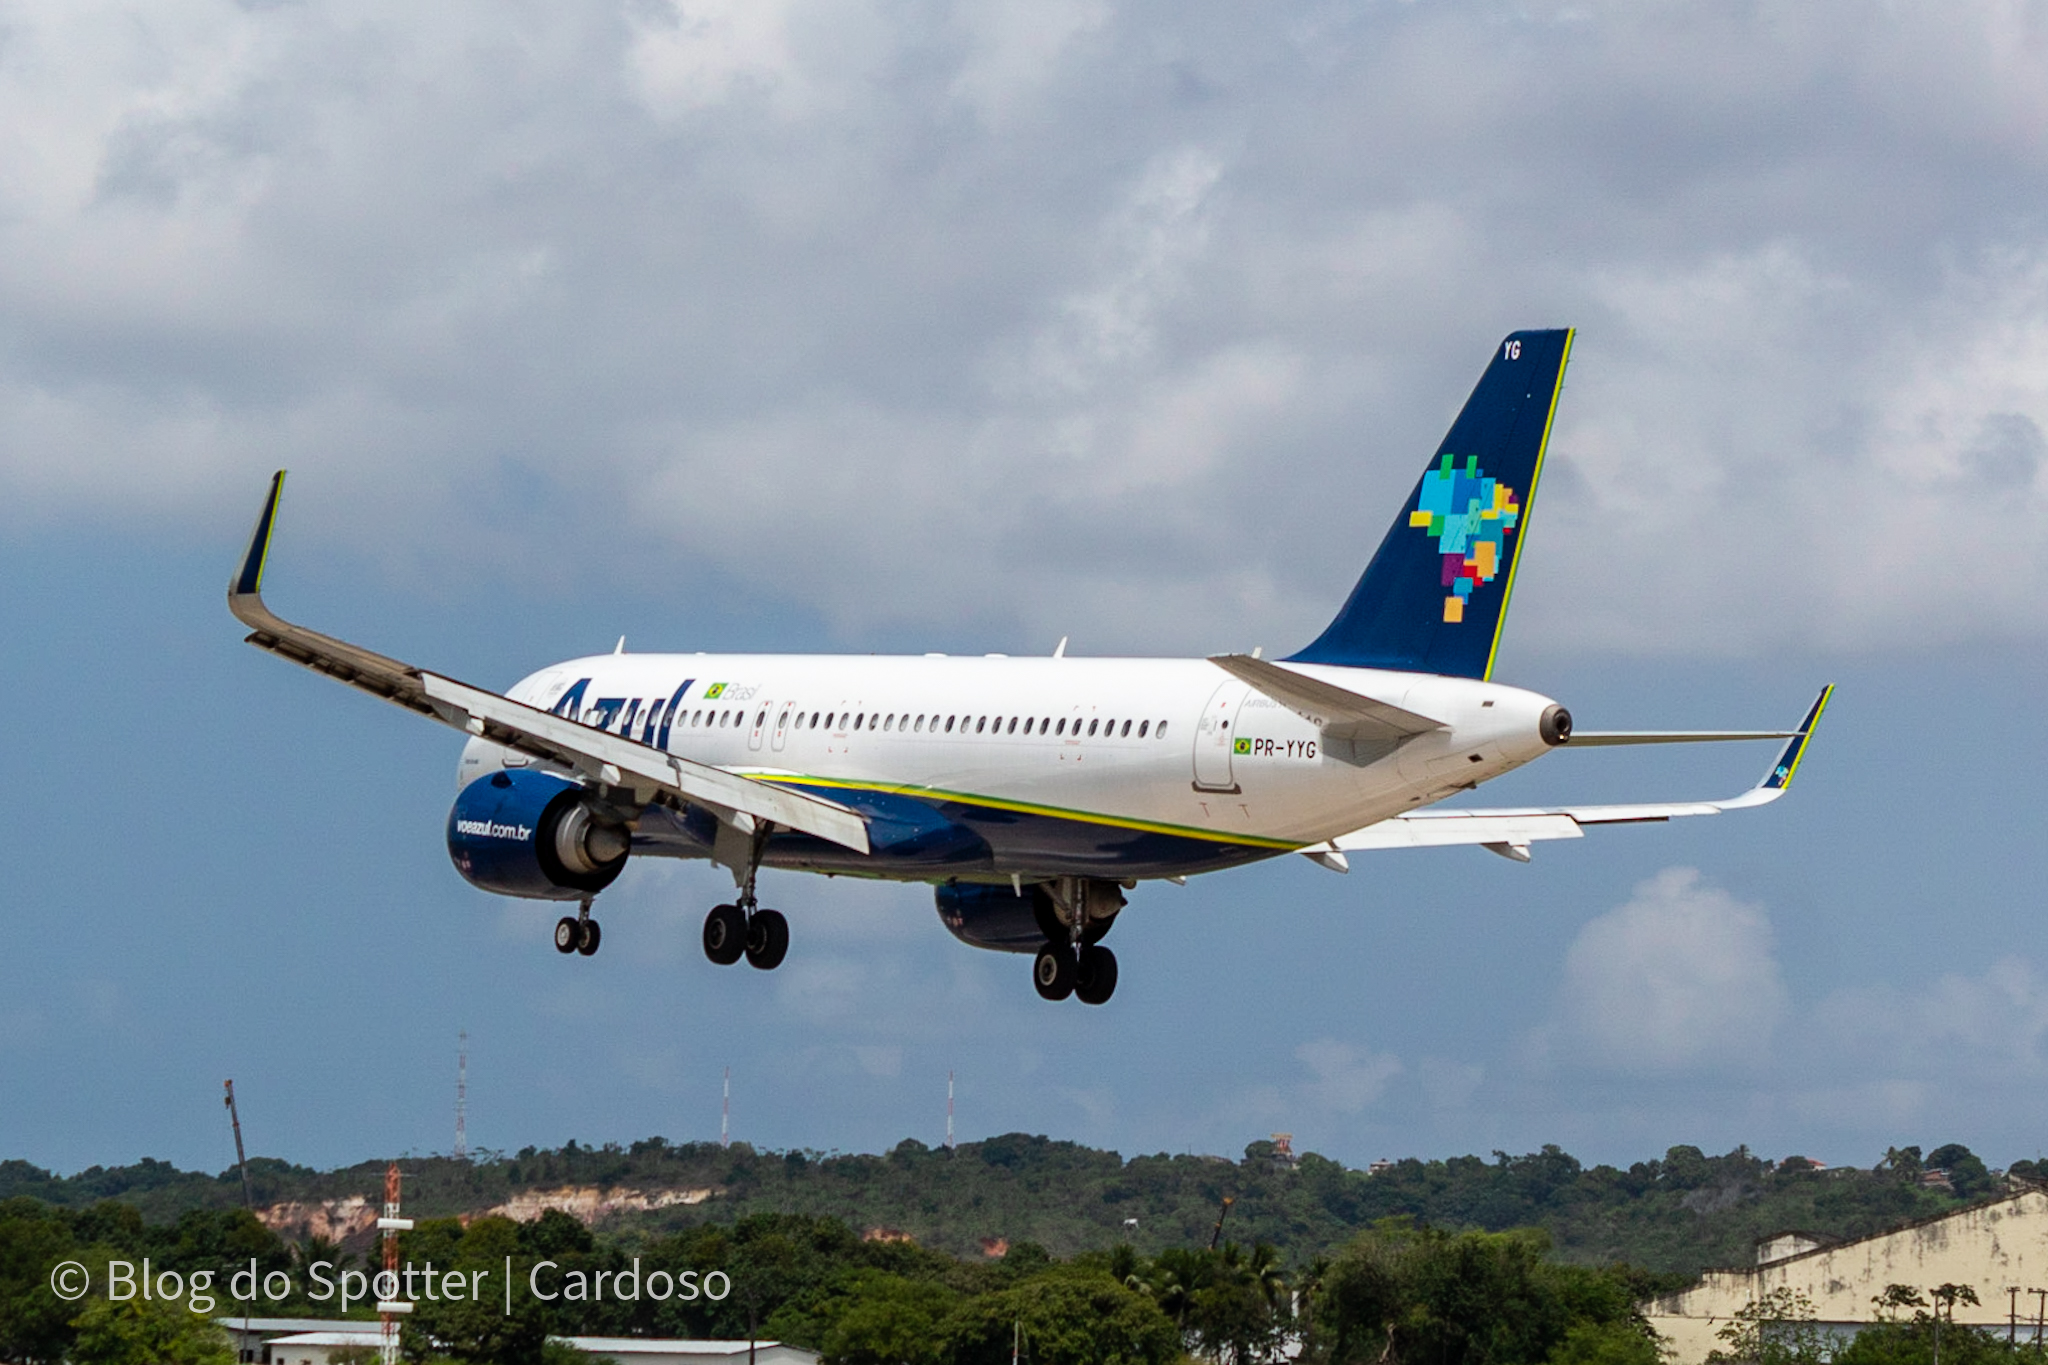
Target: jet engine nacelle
[
  {"x": 998, "y": 918},
  {"x": 531, "y": 834}
]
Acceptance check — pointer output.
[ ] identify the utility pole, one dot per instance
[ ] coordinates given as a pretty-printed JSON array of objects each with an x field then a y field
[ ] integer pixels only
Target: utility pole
[
  {"x": 462, "y": 1095},
  {"x": 1217, "y": 1235},
  {"x": 2040, "y": 1313},
  {"x": 725, "y": 1113},
  {"x": 949, "y": 1111},
  {"x": 241, "y": 1158}
]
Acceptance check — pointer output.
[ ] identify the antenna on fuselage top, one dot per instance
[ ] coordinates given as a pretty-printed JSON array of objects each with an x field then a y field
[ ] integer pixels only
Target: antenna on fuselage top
[
  {"x": 620, "y": 647},
  {"x": 1059, "y": 651}
]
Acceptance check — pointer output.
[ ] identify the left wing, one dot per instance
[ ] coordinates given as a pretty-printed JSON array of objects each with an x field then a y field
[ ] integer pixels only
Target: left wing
[
  {"x": 596, "y": 754},
  {"x": 1509, "y": 831}
]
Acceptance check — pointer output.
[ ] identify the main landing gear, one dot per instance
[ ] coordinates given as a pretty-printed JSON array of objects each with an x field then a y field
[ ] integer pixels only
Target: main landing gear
[
  {"x": 1073, "y": 960},
  {"x": 1088, "y": 975},
  {"x": 745, "y": 930},
  {"x": 578, "y": 933},
  {"x": 762, "y": 937}
]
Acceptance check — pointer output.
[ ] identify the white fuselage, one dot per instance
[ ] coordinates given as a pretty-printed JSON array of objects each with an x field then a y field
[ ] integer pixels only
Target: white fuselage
[{"x": 1037, "y": 751}]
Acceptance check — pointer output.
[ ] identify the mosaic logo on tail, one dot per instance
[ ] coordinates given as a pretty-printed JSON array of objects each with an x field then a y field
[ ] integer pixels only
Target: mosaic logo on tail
[{"x": 1470, "y": 516}]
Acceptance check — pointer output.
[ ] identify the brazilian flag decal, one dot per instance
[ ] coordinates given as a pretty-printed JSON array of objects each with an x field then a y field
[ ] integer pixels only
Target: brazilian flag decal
[{"x": 1243, "y": 746}]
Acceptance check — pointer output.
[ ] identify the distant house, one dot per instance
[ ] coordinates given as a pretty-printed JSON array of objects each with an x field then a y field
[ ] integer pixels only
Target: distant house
[
  {"x": 1986, "y": 1246},
  {"x": 252, "y": 1338}
]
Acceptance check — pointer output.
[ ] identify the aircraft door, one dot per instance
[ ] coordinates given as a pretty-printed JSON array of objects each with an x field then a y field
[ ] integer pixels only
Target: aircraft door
[
  {"x": 1215, "y": 739},
  {"x": 764, "y": 712},
  {"x": 782, "y": 726}
]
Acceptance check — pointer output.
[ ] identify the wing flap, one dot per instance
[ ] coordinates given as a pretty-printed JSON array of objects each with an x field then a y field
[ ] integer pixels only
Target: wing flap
[{"x": 602, "y": 756}]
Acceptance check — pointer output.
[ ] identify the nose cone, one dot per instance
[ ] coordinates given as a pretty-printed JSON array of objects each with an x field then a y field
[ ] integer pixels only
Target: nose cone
[{"x": 1555, "y": 725}]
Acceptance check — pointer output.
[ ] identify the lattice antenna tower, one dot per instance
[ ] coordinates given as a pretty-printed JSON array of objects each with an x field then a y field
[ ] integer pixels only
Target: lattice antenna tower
[
  {"x": 949, "y": 1111},
  {"x": 725, "y": 1113},
  {"x": 388, "y": 1308},
  {"x": 462, "y": 1095}
]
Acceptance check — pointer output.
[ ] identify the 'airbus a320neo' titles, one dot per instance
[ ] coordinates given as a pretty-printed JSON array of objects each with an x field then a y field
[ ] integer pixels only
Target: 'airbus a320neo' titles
[{"x": 1033, "y": 793}]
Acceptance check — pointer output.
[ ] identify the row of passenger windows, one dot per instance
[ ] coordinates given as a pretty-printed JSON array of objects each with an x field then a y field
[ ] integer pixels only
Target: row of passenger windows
[{"x": 909, "y": 724}]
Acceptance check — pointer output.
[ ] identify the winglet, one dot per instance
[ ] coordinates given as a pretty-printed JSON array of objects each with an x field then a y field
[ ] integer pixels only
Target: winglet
[
  {"x": 1782, "y": 772},
  {"x": 248, "y": 581},
  {"x": 1779, "y": 777}
]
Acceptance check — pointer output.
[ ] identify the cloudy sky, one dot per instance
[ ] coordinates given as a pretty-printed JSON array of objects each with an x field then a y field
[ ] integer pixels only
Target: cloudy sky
[{"x": 921, "y": 325}]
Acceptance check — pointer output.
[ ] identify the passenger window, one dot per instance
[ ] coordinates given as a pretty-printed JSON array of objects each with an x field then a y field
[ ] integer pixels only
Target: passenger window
[
  {"x": 1013, "y": 726},
  {"x": 1091, "y": 727},
  {"x": 1060, "y": 728},
  {"x": 761, "y": 719},
  {"x": 920, "y": 725},
  {"x": 981, "y": 725},
  {"x": 949, "y": 724},
  {"x": 888, "y": 724},
  {"x": 1126, "y": 730},
  {"x": 857, "y": 720},
  {"x": 782, "y": 721},
  {"x": 1143, "y": 726},
  {"x": 1160, "y": 733}
]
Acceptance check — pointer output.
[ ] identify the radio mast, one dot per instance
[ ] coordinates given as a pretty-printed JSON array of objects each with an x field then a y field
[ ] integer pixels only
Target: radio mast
[
  {"x": 462, "y": 1095},
  {"x": 388, "y": 1309},
  {"x": 241, "y": 1158},
  {"x": 725, "y": 1113},
  {"x": 949, "y": 1111}
]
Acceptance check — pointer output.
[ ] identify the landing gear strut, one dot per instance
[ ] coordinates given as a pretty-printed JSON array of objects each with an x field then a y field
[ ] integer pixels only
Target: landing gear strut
[
  {"x": 578, "y": 933},
  {"x": 1073, "y": 960},
  {"x": 746, "y": 930}
]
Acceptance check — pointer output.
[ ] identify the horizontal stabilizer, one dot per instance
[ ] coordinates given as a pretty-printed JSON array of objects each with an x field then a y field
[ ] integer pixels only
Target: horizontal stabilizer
[
  {"x": 1510, "y": 830},
  {"x": 597, "y": 754},
  {"x": 1336, "y": 711},
  {"x": 1595, "y": 739}
]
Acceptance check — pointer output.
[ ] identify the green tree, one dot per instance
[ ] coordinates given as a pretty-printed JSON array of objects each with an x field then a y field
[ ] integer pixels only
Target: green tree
[
  {"x": 142, "y": 1332},
  {"x": 35, "y": 1325},
  {"x": 876, "y": 1318},
  {"x": 1606, "y": 1343},
  {"x": 1064, "y": 1316},
  {"x": 1777, "y": 1329}
]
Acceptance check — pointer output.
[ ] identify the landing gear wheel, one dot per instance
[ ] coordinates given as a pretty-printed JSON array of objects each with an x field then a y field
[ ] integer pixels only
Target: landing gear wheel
[
  {"x": 725, "y": 935},
  {"x": 767, "y": 939},
  {"x": 567, "y": 934},
  {"x": 1052, "y": 971},
  {"x": 588, "y": 936},
  {"x": 1095, "y": 975}
]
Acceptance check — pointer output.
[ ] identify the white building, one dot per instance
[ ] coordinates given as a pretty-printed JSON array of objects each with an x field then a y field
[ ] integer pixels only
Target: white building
[
  {"x": 1993, "y": 1248},
  {"x": 316, "y": 1341}
]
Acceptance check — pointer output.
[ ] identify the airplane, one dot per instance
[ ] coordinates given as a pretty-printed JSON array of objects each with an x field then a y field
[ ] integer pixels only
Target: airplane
[{"x": 1032, "y": 793}]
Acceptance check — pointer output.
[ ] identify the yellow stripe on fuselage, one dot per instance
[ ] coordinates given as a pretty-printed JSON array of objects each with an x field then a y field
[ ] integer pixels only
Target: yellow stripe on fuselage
[{"x": 1025, "y": 808}]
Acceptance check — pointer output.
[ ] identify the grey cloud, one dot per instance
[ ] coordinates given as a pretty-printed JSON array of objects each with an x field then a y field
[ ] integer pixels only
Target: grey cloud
[{"x": 1135, "y": 319}]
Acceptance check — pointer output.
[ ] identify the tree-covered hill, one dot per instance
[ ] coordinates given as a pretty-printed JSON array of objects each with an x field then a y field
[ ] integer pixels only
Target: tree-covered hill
[{"x": 1679, "y": 1213}]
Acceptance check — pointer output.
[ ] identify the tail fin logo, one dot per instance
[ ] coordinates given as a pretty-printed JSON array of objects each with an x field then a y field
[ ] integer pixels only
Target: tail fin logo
[{"x": 1470, "y": 515}]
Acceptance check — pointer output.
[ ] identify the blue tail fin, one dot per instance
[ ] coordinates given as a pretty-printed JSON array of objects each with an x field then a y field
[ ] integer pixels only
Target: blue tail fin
[{"x": 1435, "y": 595}]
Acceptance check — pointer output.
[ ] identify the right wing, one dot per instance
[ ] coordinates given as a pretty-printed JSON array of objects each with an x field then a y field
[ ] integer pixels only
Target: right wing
[
  {"x": 1509, "y": 831},
  {"x": 598, "y": 755}
]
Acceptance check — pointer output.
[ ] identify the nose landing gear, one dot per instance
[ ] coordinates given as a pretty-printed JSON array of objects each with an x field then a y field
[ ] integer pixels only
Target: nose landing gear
[{"x": 579, "y": 933}]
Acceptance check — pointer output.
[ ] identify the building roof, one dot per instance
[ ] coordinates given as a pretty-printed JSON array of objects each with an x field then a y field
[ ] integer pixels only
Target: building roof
[
  {"x": 239, "y": 1323},
  {"x": 372, "y": 1337},
  {"x": 710, "y": 1348}
]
